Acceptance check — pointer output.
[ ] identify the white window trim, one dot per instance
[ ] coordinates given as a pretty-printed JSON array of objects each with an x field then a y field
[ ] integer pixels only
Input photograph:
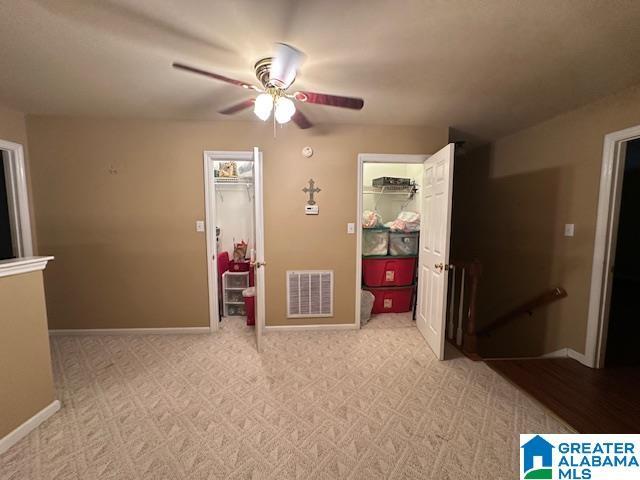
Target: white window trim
[{"x": 18, "y": 196}]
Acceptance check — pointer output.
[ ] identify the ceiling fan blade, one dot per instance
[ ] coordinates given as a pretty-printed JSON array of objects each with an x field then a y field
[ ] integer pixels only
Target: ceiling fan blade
[
  {"x": 238, "y": 107},
  {"x": 301, "y": 120},
  {"x": 332, "y": 100},
  {"x": 285, "y": 64},
  {"x": 222, "y": 78}
]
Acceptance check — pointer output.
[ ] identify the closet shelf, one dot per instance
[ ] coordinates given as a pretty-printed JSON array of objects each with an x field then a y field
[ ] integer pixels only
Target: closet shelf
[
  {"x": 233, "y": 180},
  {"x": 391, "y": 257},
  {"x": 391, "y": 190}
]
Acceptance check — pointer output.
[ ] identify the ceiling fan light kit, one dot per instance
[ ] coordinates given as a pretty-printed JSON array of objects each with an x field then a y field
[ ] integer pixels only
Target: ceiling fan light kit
[
  {"x": 284, "y": 110},
  {"x": 263, "y": 106},
  {"x": 276, "y": 74}
]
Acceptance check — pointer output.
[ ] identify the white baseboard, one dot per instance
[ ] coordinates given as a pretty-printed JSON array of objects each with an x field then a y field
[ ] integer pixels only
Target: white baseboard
[
  {"x": 31, "y": 424},
  {"x": 316, "y": 327},
  {"x": 567, "y": 353},
  {"x": 580, "y": 357},
  {"x": 562, "y": 353},
  {"x": 130, "y": 331}
]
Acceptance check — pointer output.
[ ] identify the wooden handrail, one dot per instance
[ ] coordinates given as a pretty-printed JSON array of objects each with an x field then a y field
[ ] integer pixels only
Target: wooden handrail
[{"x": 547, "y": 297}]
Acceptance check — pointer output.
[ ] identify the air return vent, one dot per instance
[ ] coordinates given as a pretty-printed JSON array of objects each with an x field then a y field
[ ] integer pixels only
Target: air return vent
[{"x": 309, "y": 293}]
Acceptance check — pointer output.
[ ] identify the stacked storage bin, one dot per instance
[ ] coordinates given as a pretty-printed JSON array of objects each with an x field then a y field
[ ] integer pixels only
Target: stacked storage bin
[{"x": 389, "y": 268}]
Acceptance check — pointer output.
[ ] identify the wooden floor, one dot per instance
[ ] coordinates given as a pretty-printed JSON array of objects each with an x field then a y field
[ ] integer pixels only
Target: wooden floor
[{"x": 591, "y": 401}]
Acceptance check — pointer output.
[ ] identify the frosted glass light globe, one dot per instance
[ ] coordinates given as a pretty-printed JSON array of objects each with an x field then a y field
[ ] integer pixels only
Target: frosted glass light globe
[
  {"x": 284, "y": 110},
  {"x": 263, "y": 106}
]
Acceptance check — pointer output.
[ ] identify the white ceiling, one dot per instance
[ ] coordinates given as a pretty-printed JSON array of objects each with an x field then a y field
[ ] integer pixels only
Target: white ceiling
[{"x": 484, "y": 67}]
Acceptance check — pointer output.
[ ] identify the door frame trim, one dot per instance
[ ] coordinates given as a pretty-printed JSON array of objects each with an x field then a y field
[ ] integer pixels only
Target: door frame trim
[
  {"x": 18, "y": 196},
  {"x": 209, "y": 156},
  {"x": 372, "y": 158},
  {"x": 604, "y": 246}
]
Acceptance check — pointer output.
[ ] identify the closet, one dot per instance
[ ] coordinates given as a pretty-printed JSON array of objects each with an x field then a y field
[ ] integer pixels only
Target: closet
[
  {"x": 233, "y": 189},
  {"x": 390, "y": 237}
]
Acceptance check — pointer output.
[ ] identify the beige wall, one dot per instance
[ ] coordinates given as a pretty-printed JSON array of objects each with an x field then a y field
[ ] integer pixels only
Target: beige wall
[
  {"x": 25, "y": 376},
  {"x": 12, "y": 126},
  {"x": 26, "y": 385},
  {"x": 127, "y": 254},
  {"x": 512, "y": 200}
]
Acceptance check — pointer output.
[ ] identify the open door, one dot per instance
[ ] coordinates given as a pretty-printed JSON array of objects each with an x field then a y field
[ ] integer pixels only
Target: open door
[
  {"x": 258, "y": 261},
  {"x": 433, "y": 261}
]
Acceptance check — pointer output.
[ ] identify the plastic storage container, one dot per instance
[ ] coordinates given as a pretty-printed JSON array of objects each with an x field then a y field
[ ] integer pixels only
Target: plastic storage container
[
  {"x": 390, "y": 181},
  {"x": 235, "y": 310},
  {"x": 233, "y": 283},
  {"x": 236, "y": 280},
  {"x": 392, "y": 300},
  {"x": 388, "y": 272},
  {"x": 375, "y": 241},
  {"x": 234, "y": 296},
  {"x": 403, "y": 243},
  {"x": 239, "y": 266}
]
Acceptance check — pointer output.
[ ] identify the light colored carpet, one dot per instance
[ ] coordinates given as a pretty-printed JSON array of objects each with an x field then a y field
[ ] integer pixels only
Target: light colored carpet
[
  {"x": 391, "y": 320},
  {"x": 350, "y": 404}
]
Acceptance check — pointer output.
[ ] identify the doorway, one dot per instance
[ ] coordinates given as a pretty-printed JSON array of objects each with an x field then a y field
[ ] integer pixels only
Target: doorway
[
  {"x": 15, "y": 223},
  {"x": 611, "y": 301},
  {"x": 403, "y": 235},
  {"x": 624, "y": 329},
  {"x": 235, "y": 240}
]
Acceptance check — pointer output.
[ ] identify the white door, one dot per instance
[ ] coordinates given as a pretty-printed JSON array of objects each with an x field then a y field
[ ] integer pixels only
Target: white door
[
  {"x": 259, "y": 263},
  {"x": 433, "y": 261}
]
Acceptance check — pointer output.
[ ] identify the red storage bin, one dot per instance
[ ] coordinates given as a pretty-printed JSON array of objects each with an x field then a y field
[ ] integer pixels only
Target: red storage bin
[
  {"x": 392, "y": 300},
  {"x": 388, "y": 272},
  {"x": 242, "y": 266},
  {"x": 250, "y": 309}
]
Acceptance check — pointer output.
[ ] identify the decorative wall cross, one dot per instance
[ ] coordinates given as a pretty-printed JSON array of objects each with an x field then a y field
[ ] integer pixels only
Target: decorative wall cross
[{"x": 311, "y": 190}]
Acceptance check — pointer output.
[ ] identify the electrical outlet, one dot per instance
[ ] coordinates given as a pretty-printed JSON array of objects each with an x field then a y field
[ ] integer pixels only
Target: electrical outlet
[
  {"x": 569, "y": 230},
  {"x": 200, "y": 226},
  {"x": 351, "y": 228}
]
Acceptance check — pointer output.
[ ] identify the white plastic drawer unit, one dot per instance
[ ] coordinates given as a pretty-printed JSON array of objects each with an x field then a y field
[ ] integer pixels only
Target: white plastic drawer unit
[
  {"x": 236, "y": 280},
  {"x": 234, "y": 296},
  {"x": 233, "y": 283}
]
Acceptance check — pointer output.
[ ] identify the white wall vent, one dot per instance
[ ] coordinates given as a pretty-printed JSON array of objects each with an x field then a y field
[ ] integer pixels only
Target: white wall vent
[{"x": 309, "y": 293}]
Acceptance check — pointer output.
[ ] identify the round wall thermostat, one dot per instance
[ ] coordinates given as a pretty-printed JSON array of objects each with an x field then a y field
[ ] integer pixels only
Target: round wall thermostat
[{"x": 307, "y": 151}]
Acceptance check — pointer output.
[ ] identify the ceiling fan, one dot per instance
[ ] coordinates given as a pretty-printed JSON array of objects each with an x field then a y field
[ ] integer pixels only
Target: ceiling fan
[{"x": 276, "y": 74}]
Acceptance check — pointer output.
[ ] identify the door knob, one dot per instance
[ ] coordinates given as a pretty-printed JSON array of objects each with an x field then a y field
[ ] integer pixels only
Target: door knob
[
  {"x": 260, "y": 264},
  {"x": 441, "y": 266}
]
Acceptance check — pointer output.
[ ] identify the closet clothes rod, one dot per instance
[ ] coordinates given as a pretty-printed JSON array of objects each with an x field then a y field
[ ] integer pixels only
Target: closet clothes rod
[
  {"x": 218, "y": 189},
  {"x": 389, "y": 193}
]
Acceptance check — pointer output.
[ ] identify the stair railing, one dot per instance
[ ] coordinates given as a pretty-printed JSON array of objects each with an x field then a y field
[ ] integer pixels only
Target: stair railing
[
  {"x": 528, "y": 307},
  {"x": 461, "y": 313}
]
